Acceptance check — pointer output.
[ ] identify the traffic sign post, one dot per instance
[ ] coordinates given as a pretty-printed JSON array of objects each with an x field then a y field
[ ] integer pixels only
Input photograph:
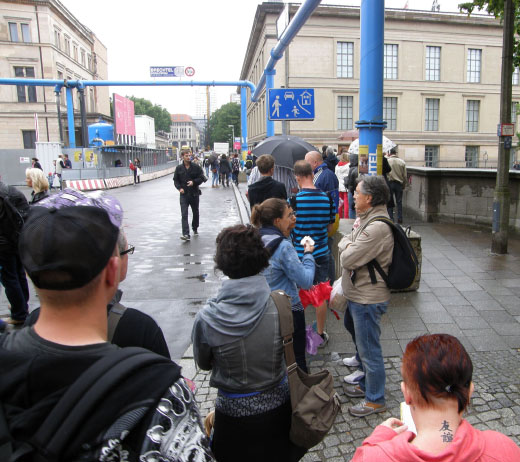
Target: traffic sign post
[{"x": 291, "y": 104}]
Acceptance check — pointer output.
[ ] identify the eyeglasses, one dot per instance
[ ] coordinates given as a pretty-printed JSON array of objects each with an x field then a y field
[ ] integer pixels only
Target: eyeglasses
[
  {"x": 128, "y": 251},
  {"x": 292, "y": 214}
]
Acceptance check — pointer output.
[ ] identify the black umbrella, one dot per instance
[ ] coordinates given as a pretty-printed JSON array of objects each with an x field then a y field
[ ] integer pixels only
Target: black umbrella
[{"x": 285, "y": 149}]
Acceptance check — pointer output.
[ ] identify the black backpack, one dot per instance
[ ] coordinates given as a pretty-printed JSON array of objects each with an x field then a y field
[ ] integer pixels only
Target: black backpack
[
  {"x": 12, "y": 214},
  {"x": 404, "y": 268},
  {"x": 52, "y": 440}
]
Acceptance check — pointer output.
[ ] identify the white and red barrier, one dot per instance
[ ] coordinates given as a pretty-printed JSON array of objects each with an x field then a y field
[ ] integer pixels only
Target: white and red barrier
[{"x": 86, "y": 185}]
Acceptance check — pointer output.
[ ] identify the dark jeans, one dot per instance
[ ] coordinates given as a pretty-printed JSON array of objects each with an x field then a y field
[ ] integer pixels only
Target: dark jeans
[
  {"x": 224, "y": 177},
  {"x": 396, "y": 190},
  {"x": 189, "y": 200},
  {"x": 235, "y": 177},
  {"x": 13, "y": 278},
  {"x": 137, "y": 179},
  {"x": 299, "y": 339}
]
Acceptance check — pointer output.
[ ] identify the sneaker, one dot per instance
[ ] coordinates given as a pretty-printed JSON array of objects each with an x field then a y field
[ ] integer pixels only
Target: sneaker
[
  {"x": 325, "y": 338},
  {"x": 354, "y": 378},
  {"x": 195, "y": 232},
  {"x": 185, "y": 237},
  {"x": 365, "y": 408},
  {"x": 351, "y": 362},
  {"x": 354, "y": 391}
]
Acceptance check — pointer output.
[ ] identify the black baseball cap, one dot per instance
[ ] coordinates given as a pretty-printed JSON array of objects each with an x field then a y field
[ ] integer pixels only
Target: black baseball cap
[{"x": 64, "y": 249}]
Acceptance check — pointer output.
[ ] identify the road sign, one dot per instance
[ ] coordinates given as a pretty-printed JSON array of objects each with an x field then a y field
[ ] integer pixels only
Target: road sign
[
  {"x": 291, "y": 104},
  {"x": 505, "y": 129},
  {"x": 189, "y": 71},
  {"x": 166, "y": 71}
]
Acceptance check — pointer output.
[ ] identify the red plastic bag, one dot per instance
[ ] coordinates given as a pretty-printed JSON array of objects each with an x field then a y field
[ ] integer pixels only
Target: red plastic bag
[{"x": 316, "y": 295}]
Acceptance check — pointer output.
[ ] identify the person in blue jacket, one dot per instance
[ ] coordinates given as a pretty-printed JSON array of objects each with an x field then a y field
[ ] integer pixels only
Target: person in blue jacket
[{"x": 275, "y": 219}]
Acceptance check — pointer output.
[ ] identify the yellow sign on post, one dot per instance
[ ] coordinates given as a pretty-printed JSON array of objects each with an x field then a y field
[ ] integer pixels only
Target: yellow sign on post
[{"x": 379, "y": 153}]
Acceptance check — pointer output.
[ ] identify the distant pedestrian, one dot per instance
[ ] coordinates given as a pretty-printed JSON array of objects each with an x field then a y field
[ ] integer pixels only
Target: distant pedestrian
[
  {"x": 397, "y": 180},
  {"x": 235, "y": 168},
  {"x": 213, "y": 162},
  {"x": 225, "y": 170},
  {"x": 331, "y": 160},
  {"x": 341, "y": 172},
  {"x": 266, "y": 187},
  {"x": 187, "y": 178},
  {"x": 36, "y": 163},
  {"x": 351, "y": 182},
  {"x": 66, "y": 162},
  {"x": 205, "y": 164},
  {"x": 59, "y": 166}
]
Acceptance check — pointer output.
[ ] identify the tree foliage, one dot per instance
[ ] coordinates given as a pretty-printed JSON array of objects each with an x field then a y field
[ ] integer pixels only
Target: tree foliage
[
  {"x": 161, "y": 116},
  {"x": 219, "y": 131},
  {"x": 496, "y": 8}
]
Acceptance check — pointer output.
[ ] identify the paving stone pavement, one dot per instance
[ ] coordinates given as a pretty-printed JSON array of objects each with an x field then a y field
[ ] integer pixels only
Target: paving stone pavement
[{"x": 465, "y": 291}]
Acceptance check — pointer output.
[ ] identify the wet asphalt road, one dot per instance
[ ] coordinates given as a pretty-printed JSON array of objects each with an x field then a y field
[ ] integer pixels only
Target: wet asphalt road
[{"x": 168, "y": 278}]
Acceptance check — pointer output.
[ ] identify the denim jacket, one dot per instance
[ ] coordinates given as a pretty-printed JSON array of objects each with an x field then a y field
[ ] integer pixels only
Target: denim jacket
[{"x": 287, "y": 272}]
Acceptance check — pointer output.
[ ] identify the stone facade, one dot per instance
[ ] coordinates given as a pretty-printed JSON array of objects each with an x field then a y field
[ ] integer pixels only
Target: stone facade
[
  {"x": 43, "y": 40},
  {"x": 446, "y": 65}
]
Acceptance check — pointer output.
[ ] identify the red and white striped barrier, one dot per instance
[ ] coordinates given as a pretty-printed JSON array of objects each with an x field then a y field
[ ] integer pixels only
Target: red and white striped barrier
[{"x": 86, "y": 185}]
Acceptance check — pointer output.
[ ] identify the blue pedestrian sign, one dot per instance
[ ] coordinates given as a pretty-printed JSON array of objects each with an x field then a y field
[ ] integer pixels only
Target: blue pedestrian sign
[{"x": 291, "y": 104}]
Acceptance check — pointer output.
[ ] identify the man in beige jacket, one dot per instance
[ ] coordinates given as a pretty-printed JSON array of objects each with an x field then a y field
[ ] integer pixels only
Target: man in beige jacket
[
  {"x": 366, "y": 301},
  {"x": 397, "y": 179}
]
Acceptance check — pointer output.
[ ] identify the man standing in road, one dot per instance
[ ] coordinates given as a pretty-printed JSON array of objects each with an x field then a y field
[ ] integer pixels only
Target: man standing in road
[
  {"x": 266, "y": 187},
  {"x": 187, "y": 178},
  {"x": 367, "y": 301},
  {"x": 397, "y": 179},
  {"x": 314, "y": 217}
]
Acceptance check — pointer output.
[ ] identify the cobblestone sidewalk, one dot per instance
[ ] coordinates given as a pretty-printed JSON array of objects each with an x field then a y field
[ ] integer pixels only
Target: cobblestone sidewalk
[{"x": 495, "y": 404}]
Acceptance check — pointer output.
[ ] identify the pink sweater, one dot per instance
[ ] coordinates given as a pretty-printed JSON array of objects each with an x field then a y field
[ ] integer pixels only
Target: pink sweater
[{"x": 469, "y": 445}]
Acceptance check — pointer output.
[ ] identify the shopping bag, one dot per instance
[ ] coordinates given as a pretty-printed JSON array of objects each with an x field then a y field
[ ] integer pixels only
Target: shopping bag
[{"x": 316, "y": 295}]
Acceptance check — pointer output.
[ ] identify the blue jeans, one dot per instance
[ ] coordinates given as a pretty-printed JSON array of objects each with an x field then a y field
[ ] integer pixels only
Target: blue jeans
[
  {"x": 351, "y": 204},
  {"x": 367, "y": 329},
  {"x": 214, "y": 180}
]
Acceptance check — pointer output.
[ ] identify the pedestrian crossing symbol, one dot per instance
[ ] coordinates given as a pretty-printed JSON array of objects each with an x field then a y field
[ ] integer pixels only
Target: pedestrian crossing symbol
[{"x": 291, "y": 104}]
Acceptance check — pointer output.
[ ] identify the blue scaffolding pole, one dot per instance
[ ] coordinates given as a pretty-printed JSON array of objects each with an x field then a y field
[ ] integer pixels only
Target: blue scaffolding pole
[{"x": 81, "y": 84}]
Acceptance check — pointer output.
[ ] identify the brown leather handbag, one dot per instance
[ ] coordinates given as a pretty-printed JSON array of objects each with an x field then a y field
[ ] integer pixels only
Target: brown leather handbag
[{"x": 314, "y": 402}]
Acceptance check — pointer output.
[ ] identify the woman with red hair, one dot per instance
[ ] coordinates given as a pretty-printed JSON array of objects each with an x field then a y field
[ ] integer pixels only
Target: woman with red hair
[{"x": 437, "y": 386}]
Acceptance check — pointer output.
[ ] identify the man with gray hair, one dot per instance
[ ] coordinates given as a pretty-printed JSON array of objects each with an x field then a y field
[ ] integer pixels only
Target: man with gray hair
[{"x": 367, "y": 296}]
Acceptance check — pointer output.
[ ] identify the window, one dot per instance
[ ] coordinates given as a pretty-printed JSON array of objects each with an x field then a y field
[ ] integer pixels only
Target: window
[
  {"x": 92, "y": 100},
  {"x": 67, "y": 45},
  {"x": 474, "y": 62},
  {"x": 29, "y": 139},
  {"x": 75, "y": 52},
  {"x": 89, "y": 61},
  {"x": 514, "y": 106},
  {"x": 433, "y": 63},
  {"x": 471, "y": 156},
  {"x": 345, "y": 59},
  {"x": 83, "y": 61},
  {"x": 390, "y": 70},
  {"x": 345, "y": 117},
  {"x": 390, "y": 112},
  {"x": 472, "y": 113},
  {"x": 516, "y": 76},
  {"x": 25, "y": 94},
  {"x": 17, "y": 30},
  {"x": 431, "y": 118},
  {"x": 57, "y": 39},
  {"x": 431, "y": 156}
]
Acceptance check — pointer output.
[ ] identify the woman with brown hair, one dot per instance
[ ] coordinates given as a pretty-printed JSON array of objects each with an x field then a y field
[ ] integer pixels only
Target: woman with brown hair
[
  {"x": 237, "y": 337},
  {"x": 275, "y": 220},
  {"x": 437, "y": 385}
]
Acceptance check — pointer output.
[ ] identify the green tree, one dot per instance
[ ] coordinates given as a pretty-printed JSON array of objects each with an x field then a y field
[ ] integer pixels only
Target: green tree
[
  {"x": 219, "y": 130},
  {"x": 160, "y": 115}
]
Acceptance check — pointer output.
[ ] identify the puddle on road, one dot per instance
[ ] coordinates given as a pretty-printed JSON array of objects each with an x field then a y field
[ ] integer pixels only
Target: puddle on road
[
  {"x": 197, "y": 302},
  {"x": 200, "y": 277},
  {"x": 176, "y": 269}
]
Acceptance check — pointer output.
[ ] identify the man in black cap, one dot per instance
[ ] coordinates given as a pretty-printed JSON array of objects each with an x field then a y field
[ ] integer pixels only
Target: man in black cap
[{"x": 72, "y": 257}]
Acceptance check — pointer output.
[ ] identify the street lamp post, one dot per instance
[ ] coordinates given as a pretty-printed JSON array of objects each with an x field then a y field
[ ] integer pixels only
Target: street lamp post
[{"x": 233, "y": 138}]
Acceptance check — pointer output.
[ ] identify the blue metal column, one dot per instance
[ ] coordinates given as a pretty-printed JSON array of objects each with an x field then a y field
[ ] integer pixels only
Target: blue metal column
[
  {"x": 70, "y": 118},
  {"x": 243, "y": 117},
  {"x": 269, "y": 83},
  {"x": 371, "y": 122}
]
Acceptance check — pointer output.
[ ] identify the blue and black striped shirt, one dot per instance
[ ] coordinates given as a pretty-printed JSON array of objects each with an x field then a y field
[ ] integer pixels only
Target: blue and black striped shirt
[{"x": 314, "y": 212}]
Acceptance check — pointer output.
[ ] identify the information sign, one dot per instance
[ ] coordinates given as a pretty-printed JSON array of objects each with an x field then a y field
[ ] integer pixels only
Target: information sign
[
  {"x": 167, "y": 71},
  {"x": 291, "y": 104}
]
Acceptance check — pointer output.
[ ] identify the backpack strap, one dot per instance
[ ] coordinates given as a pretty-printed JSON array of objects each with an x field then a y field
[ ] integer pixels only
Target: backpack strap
[
  {"x": 373, "y": 265},
  {"x": 85, "y": 394},
  {"x": 114, "y": 316},
  {"x": 283, "y": 305}
]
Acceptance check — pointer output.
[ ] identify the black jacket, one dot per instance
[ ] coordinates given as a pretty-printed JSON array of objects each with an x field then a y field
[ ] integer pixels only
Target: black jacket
[
  {"x": 225, "y": 166},
  {"x": 182, "y": 175},
  {"x": 9, "y": 235},
  {"x": 265, "y": 188}
]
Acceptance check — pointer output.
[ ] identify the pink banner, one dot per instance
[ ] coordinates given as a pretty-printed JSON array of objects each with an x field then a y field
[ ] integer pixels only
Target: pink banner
[{"x": 124, "y": 115}]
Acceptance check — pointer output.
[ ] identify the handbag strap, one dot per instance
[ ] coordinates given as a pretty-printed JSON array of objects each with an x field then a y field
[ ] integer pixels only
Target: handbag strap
[{"x": 283, "y": 305}]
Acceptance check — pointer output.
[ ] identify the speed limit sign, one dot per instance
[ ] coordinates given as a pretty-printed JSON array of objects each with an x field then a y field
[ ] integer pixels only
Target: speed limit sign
[{"x": 189, "y": 71}]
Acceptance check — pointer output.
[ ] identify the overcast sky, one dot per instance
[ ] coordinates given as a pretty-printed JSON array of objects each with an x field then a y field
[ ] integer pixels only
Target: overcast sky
[{"x": 209, "y": 35}]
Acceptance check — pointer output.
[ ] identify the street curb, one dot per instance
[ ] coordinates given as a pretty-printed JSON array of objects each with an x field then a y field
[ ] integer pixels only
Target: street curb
[{"x": 243, "y": 207}]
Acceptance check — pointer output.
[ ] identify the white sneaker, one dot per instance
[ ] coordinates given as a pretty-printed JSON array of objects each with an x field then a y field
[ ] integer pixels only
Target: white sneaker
[
  {"x": 354, "y": 378},
  {"x": 351, "y": 362},
  {"x": 325, "y": 338}
]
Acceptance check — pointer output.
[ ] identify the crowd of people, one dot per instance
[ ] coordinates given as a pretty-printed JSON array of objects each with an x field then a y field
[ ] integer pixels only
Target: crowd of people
[{"x": 73, "y": 248}]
